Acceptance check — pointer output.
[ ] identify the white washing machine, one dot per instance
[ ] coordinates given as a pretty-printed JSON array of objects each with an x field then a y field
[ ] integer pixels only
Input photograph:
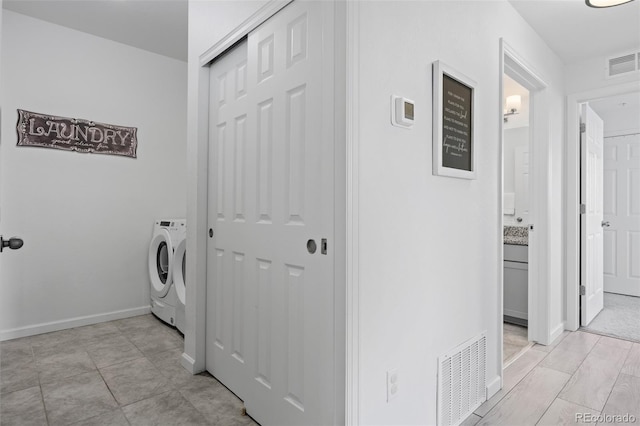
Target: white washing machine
[
  {"x": 179, "y": 282},
  {"x": 163, "y": 293}
]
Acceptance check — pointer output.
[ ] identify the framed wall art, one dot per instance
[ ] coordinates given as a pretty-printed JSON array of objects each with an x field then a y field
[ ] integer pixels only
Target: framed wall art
[{"x": 454, "y": 142}]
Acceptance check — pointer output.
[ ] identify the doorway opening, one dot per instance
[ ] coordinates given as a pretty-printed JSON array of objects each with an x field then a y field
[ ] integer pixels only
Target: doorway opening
[
  {"x": 524, "y": 262},
  {"x": 616, "y": 311},
  {"x": 516, "y": 205}
]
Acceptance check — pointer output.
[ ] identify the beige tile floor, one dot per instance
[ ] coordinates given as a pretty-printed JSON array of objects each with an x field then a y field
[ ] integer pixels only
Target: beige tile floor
[
  {"x": 579, "y": 374},
  {"x": 127, "y": 372},
  {"x": 514, "y": 340},
  {"x": 124, "y": 372}
]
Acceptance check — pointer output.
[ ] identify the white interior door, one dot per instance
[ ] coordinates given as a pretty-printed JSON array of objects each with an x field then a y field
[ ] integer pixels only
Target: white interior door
[
  {"x": 622, "y": 214},
  {"x": 591, "y": 251},
  {"x": 270, "y": 294}
]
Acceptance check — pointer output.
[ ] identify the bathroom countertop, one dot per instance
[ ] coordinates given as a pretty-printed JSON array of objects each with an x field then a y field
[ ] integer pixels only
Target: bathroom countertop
[{"x": 516, "y": 235}]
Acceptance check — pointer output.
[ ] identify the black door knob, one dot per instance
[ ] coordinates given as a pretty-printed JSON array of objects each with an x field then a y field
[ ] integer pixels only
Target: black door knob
[{"x": 14, "y": 243}]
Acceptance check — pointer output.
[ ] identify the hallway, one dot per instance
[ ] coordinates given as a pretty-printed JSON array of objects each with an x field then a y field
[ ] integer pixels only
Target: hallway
[{"x": 580, "y": 376}]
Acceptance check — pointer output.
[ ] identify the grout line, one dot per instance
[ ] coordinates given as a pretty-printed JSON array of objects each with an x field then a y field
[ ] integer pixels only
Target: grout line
[
  {"x": 580, "y": 365},
  {"x": 617, "y": 378},
  {"x": 610, "y": 392},
  {"x": 44, "y": 405},
  {"x": 605, "y": 334},
  {"x": 554, "y": 398}
]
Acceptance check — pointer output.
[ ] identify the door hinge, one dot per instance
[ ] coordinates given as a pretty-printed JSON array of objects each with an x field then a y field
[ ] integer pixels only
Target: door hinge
[
  {"x": 583, "y": 290},
  {"x": 583, "y": 127},
  {"x": 583, "y": 208}
]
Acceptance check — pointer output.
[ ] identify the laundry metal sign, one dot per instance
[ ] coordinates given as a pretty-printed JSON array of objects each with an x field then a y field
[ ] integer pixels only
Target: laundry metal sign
[{"x": 74, "y": 134}]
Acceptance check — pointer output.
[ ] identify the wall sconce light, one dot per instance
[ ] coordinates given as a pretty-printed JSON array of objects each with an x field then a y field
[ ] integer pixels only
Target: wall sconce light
[
  {"x": 514, "y": 103},
  {"x": 605, "y": 3}
]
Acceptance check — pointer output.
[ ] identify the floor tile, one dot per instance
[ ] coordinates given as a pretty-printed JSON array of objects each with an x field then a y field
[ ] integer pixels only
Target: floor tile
[
  {"x": 52, "y": 343},
  {"x": 169, "y": 364},
  {"x": 63, "y": 364},
  {"x": 216, "y": 402},
  {"x": 562, "y": 412},
  {"x": 134, "y": 380},
  {"x": 632, "y": 364},
  {"x": 591, "y": 384},
  {"x": 113, "y": 418},
  {"x": 95, "y": 333},
  {"x": 169, "y": 408},
  {"x": 579, "y": 342},
  {"x": 14, "y": 352},
  {"x": 22, "y": 408},
  {"x": 137, "y": 323},
  {"x": 510, "y": 351},
  {"x": 624, "y": 398},
  {"x": 513, "y": 374},
  {"x": 156, "y": 340},
  {"x": 113, "y": 349},
  {"x": 564, "y": 360},
  {"x": 553, "y": 345},
  {"x": 515, "y": 334},
  {"x": 529, "y": 400},
  {"x": 77, "y": 398},
  {"x": 19, "y": 376}
]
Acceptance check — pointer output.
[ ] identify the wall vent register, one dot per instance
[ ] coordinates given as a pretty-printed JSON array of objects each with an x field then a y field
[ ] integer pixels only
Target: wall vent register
[{"x": 462, "y": 380}]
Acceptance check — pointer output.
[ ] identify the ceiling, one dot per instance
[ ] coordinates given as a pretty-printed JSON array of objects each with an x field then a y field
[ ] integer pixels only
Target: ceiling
[
  {"x": 576, "y": 32},
  {"x": 159, "y": 26},
  {"x": 570, "y": 28},
  {"x": 629, "y": 101}
]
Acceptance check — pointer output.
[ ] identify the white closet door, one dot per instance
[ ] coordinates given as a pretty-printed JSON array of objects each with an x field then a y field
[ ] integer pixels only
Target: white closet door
[
  {"x": 592, "y": 142},
  {"x": 622, "y": 214},
  {"x": 270, "y": 294}
]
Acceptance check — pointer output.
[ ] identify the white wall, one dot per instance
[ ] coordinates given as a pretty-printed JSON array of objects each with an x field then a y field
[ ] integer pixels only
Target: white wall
[
  {"x": 590, "y": 74},
  {"x": 86, "y": 219},
  {"x": 429, "y": 246}
]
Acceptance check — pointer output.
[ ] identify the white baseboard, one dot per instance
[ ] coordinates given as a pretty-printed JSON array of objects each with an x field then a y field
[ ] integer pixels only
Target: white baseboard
[
  {"x": 516, "y": 314},
  {"x": 189, "y": 364},
  {"x": 494, "y": 386},
  {"x": 32, "y": 330},
  {"x": 556, "y": 332}
]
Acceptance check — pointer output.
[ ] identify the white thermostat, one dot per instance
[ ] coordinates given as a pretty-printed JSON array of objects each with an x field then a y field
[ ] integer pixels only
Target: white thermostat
[{"x": 402, "y": 111}]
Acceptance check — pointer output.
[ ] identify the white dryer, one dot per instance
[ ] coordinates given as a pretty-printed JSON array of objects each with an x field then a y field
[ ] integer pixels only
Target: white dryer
[
  {"x": 161, "y": 250},
  {"x": 179, "y": 282}
]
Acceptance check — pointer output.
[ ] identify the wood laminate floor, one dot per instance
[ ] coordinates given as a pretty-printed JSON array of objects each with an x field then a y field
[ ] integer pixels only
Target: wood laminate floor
[{"x": 582, "y": 378}]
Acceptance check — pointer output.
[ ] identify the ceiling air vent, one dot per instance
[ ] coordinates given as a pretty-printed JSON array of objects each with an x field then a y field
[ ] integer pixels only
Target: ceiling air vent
[{"x": 624, "y": 64}]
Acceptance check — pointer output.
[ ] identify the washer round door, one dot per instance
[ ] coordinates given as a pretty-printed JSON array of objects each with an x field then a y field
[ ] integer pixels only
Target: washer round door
[
  {"x": 179, "y": 264},
  {"x": 160, "y": 263}
]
